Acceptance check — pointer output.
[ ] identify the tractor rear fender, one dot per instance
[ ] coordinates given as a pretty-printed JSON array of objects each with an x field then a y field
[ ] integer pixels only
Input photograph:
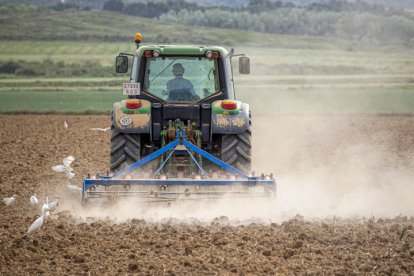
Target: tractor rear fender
[
  {"x": 224, "y": 121},
  {"x": 137, "y": 120}
]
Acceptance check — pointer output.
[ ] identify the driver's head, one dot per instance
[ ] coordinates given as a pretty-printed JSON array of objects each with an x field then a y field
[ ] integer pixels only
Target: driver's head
[{"x": 178, "y": 69}]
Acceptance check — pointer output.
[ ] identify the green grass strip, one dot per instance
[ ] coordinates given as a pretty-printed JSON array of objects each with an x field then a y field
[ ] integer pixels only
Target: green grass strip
[
  {"x": 385, "y": 100},
  {"x": 58, "y": 102}
]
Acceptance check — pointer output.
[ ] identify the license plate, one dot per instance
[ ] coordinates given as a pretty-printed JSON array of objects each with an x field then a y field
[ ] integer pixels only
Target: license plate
[{"x": 131, "y": 88}]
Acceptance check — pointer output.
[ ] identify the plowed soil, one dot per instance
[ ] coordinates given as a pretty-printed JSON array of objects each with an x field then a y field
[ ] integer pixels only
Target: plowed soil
[{"x": 67, "y": 244}]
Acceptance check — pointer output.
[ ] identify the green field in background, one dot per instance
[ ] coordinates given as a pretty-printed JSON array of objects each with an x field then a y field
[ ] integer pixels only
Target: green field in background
[
  {"x": 264, "y": 60},
  {"x": 284, "y": 101},
  {"x": 330, "y": 100},
  {"x": 299, "y": 80},
  {"x": 241, "y": 82},
  {"x": 67, "y": 51},
  {"x": 291, "y": 74},
  {"x": 81, "y": 26},
  {"x": 58, "y": 102}
]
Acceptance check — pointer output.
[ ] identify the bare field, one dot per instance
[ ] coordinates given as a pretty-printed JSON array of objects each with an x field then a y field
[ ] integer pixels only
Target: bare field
[{"x": 355, "y": 167}]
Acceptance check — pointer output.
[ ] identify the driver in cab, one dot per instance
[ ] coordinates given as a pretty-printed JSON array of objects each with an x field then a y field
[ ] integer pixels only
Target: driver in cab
[{"x": 180, "y": 89}]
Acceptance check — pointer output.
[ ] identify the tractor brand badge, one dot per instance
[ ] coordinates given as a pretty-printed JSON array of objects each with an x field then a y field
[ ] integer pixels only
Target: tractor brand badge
[{"x": 125, "y": 121}]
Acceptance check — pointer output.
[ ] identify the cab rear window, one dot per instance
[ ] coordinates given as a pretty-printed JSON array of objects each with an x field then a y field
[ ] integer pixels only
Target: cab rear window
[{"x": 181, "y": 79}]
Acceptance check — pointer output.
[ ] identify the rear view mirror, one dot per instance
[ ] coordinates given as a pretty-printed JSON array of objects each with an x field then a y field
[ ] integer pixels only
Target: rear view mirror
[
  {"x": 121, "y": 64},
  {"x": 244, "y": 65}
]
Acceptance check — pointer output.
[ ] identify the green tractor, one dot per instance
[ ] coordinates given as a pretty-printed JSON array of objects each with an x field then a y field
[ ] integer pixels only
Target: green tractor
[{"x": 180, "y": 87}]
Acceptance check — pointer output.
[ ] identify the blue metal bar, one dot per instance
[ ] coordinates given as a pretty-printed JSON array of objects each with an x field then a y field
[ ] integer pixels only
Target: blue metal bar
[
  {"x": 149, "y": 157},
  {"x": 198, "y": 165},
  {"x": 183, "y": 134},
  {"x": 214, "y": 159},
  {"x": 181, "y": 182},
  {"x": 83, "y": 189},
  {"x": 163, "y": 163}
]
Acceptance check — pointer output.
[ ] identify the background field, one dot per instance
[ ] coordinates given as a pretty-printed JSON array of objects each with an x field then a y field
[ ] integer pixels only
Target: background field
[
  {"x": 294, "y": 80},
  {"x": 68, "y": 68}
]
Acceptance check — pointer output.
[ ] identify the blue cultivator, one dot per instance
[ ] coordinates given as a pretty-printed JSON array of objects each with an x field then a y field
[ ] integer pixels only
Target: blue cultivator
[{"x": 160, "y": 187}]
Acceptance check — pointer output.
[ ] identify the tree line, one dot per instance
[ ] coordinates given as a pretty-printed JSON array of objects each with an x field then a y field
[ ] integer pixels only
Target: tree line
[
  {"x": 355, "y": 26},
  {"x": 356, "y": 21},
  {"x": 50, "y": 68},
  {"x": 153, "y": 9}
]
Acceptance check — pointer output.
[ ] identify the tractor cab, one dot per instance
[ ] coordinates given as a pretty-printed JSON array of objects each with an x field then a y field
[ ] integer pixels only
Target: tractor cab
[{"x": 177, "y": 74}]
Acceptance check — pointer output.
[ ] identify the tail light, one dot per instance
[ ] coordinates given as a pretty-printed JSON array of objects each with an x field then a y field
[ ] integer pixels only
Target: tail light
[
  {"x": 229, "y": 105},
  {"x": 133, "y": 104}
]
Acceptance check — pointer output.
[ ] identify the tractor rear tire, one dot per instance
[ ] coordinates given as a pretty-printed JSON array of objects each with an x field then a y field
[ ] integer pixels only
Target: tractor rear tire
[
  {"x": 125, "y": 150},
  {"x": 236, "y": 150}
]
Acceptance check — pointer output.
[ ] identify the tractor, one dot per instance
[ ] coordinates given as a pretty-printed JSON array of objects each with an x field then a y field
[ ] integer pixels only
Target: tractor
[{"x": 180, "y": 123}]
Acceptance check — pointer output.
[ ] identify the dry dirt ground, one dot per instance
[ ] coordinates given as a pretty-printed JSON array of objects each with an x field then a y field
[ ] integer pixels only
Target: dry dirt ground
[{"x": 30, "y": 145}]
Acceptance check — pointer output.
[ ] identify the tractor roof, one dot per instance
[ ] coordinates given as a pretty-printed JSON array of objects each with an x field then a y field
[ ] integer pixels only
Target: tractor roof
[{"x": 181, "y": 49}]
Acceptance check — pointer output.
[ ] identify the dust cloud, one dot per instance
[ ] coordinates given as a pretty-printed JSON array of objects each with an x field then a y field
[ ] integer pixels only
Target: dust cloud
[
  {"x": 341, "y": 165},
  {"x": 234, "y": 210}
]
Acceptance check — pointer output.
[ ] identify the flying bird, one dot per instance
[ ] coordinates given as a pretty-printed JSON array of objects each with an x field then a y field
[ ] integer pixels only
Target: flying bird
[
  {"x": 65, "y": 167},
  {"x": 9, "y": 201},
  {"x": 67, "y": 161},
  {"x": 33, "y": 201},
  {"x": 101, "y": 129}
]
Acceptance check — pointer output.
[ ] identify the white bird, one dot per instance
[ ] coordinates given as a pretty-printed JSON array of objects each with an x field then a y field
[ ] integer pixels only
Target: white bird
[
  {"x": 37, "y": 223},
  {"x": 65, "y": 124},
  {"x": 67, "y": 161},
  {"x": 59, "y": 168},
  {"x": 52, "y": 205},
  {"x": 45, "y": 206},
  {"x": 65, "y": 167},
  {"x": 74, "y": 188},
  {"x": 70, "y": 175},
  {"x": 33, "y": 201},
  {"x": 47, "y": 215},
  {"x": 9, "y": 201},
  {"x": 101, "y": 129}
]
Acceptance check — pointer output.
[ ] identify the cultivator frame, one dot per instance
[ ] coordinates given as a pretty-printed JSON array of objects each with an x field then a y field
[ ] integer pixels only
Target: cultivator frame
[{"x": 159, "y": 188}]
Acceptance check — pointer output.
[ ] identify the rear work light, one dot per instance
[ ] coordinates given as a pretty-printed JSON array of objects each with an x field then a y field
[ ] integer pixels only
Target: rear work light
[
  {"x": 151, "y": 54},
  {"x": 133, "y": 104},
  {"x": 229, "y": 105},
  {"x": 212, "y": 55}
]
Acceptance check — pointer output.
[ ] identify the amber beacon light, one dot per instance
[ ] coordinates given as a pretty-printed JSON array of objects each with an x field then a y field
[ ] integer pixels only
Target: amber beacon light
[{"x": 138, "y": 38}]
